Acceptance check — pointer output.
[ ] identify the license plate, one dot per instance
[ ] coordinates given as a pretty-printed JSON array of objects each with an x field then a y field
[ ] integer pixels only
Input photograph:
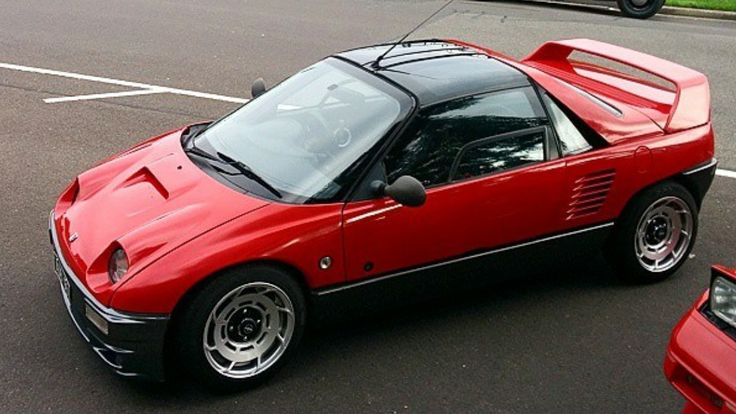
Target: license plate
[{"x": 63, "y": 278}]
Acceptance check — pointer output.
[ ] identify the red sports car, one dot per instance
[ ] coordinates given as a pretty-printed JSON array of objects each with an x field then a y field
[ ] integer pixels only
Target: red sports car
[
  {"x": 384, "y": 172},
  {"x": 701, "y": 357}
]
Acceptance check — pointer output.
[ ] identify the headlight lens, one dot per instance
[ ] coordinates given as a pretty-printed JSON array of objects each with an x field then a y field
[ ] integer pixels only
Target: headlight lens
[
  {"x": 723, "y": 299},
  {"x": 118, "y": 265}
]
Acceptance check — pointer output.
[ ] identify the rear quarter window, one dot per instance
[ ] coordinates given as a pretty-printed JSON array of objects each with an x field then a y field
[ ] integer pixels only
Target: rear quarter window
[{"x": 571, "y": 139}]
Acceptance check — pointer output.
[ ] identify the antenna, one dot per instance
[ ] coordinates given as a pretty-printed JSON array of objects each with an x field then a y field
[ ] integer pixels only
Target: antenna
[{"x": 377, "y": 63}]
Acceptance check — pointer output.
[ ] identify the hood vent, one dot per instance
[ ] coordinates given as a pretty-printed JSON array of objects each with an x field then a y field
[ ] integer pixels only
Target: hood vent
[
  {"x": 145, "y": 175},
  {"x": 589, "y": 193}
]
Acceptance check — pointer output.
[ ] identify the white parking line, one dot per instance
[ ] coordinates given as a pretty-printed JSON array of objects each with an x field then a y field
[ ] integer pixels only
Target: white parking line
[
  {"x": 110, "y": 81},
  {"x": 726, "y": 173},
  {"x": 136, "y": 92}
]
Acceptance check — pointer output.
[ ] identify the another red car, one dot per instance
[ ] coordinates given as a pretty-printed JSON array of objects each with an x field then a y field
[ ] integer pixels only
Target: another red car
[
  {"x": 379, "y": 173},
  {"x": 701, "y": 357}
]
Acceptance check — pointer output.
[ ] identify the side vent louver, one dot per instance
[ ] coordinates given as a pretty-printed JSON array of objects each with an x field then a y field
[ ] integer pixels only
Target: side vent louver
[{"x": 589, "y": 193}]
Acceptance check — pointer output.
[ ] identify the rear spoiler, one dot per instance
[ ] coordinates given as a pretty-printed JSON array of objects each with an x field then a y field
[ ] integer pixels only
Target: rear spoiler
[{"x": 691, "y": 105}]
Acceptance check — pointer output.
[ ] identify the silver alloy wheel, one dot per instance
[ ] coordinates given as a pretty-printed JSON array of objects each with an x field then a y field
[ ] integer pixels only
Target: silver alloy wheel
[
  {"x": 248, "y": 330},
  {"x": 639, "y": 3},
  {"x": 663, "y": 234}
]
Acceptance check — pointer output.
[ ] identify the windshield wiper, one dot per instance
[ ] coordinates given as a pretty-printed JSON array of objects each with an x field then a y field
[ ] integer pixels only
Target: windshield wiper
[
  {"x": 193, "y": 149},
  {"x": 248, "y": 173},
  {"x": 243, "y": 169}
]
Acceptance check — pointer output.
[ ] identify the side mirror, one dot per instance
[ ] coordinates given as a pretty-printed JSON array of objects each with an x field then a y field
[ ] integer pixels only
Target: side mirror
[
  {"x": 258, "y": 88},
  {"x": 406, "y": 190}
]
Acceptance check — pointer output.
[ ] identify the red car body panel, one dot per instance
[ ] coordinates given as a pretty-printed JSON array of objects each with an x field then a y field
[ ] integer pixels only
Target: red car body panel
[
  {"x": 148, "y": 200},
  {"x": 295, "y": 237},
  {"x": 526, "y": 202},
  {"x": 701, "y": 361},
  {"x": 179, "y": 226},
  {"x": 614, "y": 128},
  {"x": 522, "y": 202}
]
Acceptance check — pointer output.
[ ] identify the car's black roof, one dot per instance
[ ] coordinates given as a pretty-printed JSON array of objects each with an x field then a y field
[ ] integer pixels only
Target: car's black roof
[{"x": 437, "y": 71}]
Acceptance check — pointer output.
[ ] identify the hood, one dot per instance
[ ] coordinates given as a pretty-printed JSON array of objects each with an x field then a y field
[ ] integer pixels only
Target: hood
[{"x": 148, "y": 200}]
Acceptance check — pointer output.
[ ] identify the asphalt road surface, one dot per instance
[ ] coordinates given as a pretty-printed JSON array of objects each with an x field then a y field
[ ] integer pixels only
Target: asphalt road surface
[{"x": 569, "y": 340}]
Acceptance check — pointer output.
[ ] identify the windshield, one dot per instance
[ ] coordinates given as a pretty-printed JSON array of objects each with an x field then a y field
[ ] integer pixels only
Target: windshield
[{"x": 303, "y": 136}]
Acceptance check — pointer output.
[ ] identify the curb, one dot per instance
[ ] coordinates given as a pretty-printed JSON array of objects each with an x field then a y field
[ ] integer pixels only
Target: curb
[
  {"x": 708, "y": 14},
  {"x": 666, "y": 10}
]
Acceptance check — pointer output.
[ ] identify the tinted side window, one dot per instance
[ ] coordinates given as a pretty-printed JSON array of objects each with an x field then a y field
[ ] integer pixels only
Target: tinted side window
[
  {"x": 429, "y": 148},
  {"x": 500, "y": 153}
]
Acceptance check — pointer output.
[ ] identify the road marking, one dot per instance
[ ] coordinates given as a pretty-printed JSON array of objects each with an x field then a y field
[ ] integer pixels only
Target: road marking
[
  {"x": 136, "y": 92},
  {"x": 726, "y": 173},
  {"x": 119, "y": 82}
]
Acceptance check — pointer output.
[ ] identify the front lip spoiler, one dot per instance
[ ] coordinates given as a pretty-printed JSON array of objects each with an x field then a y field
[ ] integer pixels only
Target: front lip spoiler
[{"x": 135, "y": 343}]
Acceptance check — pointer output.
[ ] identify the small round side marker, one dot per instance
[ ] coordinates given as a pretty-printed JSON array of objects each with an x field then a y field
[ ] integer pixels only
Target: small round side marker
[{"x": 325, "y": 262}]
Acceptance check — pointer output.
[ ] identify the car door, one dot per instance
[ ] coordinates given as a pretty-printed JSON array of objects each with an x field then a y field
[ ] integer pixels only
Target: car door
[{"x": 492, "y": 180}]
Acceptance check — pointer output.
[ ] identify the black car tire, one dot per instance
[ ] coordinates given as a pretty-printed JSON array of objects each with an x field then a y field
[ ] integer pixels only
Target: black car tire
[
  {"x": 645, "y": 11},
  {"x": 624, "y": 249},
  {"x": 195, "y": 327}
]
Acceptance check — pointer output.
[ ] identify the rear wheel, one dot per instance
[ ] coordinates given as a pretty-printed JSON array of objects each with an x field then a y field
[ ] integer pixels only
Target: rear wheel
[
  {"x": 655, "y": 234},
  {"x": 241, "y": 327},
  {"x": 640, "y": 9}
]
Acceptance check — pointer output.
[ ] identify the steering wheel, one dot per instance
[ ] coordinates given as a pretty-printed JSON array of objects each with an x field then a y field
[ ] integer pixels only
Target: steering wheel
[{"x": 342, "y": 135}]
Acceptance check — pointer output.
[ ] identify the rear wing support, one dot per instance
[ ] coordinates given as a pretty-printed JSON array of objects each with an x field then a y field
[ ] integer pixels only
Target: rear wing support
[{"x": 691, "y": 106}]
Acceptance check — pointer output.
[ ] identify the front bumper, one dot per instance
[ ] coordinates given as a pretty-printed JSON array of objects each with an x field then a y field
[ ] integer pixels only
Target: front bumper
[
  {"x": 133, "y": 344},
  {"x": 701, "y": 364}
]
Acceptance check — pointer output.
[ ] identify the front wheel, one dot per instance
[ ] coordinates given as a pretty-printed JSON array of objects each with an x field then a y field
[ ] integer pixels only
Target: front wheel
[
  {"x": 241, "y": 327},
  {"x": 655, "y": 234},
  {"x": 640, "y": 9}
]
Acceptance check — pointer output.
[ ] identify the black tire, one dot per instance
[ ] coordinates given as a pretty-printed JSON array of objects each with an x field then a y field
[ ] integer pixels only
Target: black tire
[
  {"x": 621, "y": 250},
  {"x": 630, "y": 8},
  {"x": 189, "y": 336}
]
